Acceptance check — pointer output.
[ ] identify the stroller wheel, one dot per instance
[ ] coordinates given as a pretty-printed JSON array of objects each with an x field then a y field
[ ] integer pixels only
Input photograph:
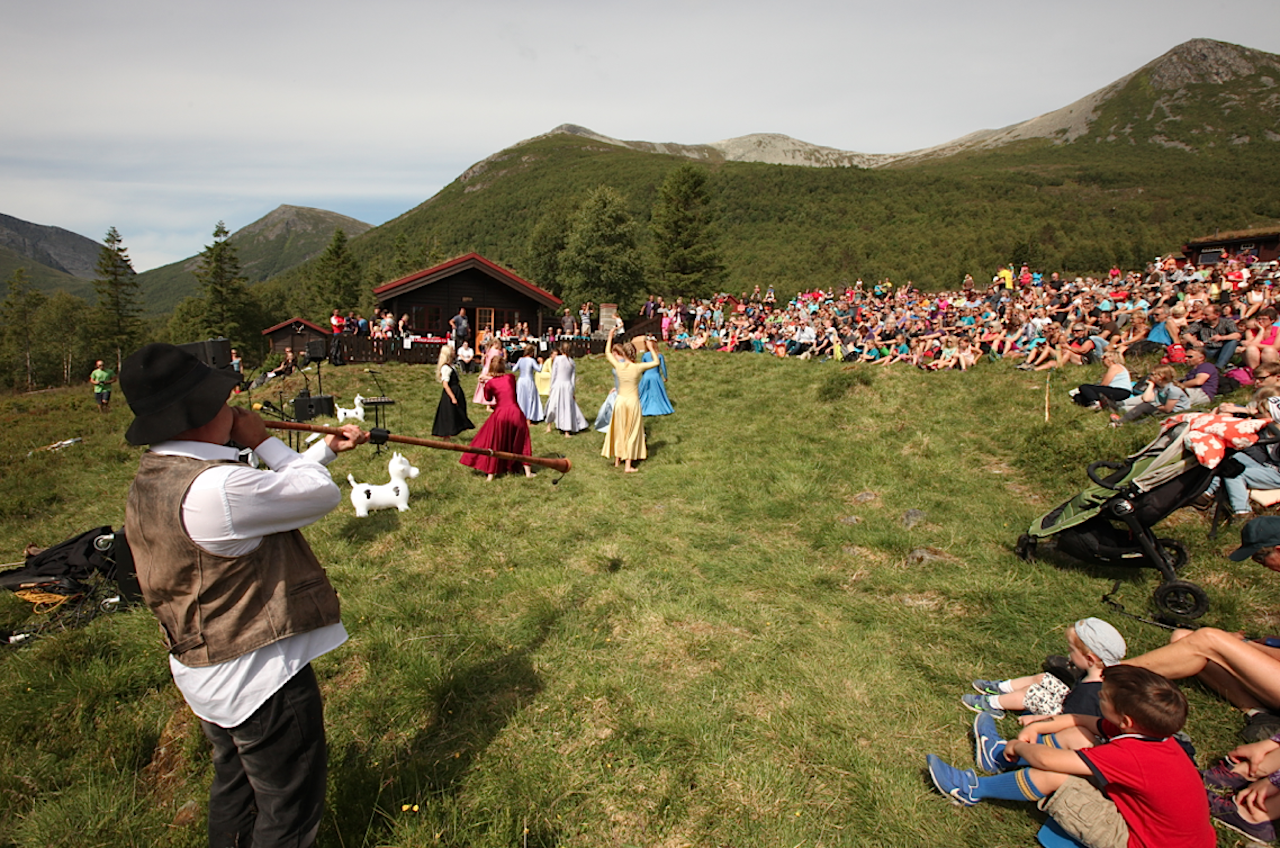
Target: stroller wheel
[
  {"x": 1181, "y": 599},
  {"x": 1176, "y": 552},
  {"x": 1026, "y": 548}
]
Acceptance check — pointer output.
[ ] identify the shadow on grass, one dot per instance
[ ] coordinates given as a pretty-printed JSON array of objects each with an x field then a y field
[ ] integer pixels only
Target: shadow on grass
[
  {"x": 472, "y": 706},
  {"x": 368, "y": 529},
  {"x": 1135, "y": 575}
]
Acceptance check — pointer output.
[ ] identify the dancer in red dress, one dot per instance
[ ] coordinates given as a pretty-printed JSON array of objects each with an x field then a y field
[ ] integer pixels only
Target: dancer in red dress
[{"x": 505, "y": 429}]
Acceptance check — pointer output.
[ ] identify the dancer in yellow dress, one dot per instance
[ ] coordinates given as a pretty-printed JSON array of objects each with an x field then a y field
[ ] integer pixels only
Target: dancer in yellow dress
[{"x": 625, "y": 439}]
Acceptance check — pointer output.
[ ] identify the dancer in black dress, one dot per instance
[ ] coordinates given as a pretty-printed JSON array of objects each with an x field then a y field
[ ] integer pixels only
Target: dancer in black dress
[{"x": 451, "y": 414}]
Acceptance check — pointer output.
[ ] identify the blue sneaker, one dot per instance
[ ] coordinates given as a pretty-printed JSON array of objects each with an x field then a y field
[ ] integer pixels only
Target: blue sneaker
[
  {"x": 981, "y": 704},
  {"x": 987, "y": 687},
  {"x": 988, "y": 747},
  {"x": 956, "y": 784}
]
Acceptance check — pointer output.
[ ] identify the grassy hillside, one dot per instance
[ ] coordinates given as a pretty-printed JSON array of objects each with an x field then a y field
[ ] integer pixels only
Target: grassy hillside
[
  {"x": 44, "y": 278},
  {"x": 743, "y": 644}
]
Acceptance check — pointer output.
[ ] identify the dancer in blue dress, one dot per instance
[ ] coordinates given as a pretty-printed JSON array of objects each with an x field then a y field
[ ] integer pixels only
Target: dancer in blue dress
[
  {"x": 653, "y": 390},
  {"x": 562, "y": 406},
  {"x": 526, "y": 389},
  {"x": 605, "y": 415}
]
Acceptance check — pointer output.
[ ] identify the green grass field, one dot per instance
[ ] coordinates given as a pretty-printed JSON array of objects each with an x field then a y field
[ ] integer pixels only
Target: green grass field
[{"x": 734, "y": 647}]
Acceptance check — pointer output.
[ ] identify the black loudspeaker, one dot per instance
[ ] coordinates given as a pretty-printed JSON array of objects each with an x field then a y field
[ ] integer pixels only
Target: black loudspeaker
[
  {"x": 216, "y": 353},
  {"x": 317, "y": 350},
  {"x": 306, "y": 407}
]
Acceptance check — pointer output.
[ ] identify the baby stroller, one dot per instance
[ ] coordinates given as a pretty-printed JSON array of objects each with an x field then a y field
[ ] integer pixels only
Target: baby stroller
[{"x": 1110, "y": 523}]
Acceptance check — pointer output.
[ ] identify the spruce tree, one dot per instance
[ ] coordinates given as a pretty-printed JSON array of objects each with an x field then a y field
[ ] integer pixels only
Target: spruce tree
[
  {"x": 601, "y": 261},
  {"x": 338, "y": 276},
  {"x": 686, "y": 256},
  {"x": 228, "y": 310},
  {"x": 403, "y": 262},
  {"x": 118, "y": 292}
]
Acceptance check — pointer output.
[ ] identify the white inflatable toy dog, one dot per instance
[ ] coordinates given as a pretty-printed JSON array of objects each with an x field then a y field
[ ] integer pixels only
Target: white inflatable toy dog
[
  {"x": 357, "y": 413},
  {"x": 366, "y": 496}
]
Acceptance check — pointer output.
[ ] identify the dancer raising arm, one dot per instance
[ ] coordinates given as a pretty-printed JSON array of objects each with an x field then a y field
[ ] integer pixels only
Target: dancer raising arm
[{"x": 625, "y": 439}]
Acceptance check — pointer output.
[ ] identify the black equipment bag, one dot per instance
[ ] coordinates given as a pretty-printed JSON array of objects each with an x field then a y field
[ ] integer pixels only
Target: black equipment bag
[{"x": 100, "y": 550}]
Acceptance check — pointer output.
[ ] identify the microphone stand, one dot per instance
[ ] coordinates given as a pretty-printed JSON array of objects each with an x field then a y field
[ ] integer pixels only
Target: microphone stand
[{"x": 376, "y": 381}]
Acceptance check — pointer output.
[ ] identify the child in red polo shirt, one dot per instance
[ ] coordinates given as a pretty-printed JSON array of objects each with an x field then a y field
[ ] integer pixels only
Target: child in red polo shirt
[{"x": 1120, "y": 781}]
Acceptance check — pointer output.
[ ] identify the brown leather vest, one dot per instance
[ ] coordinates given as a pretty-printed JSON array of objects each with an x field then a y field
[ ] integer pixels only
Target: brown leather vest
[{"x": 215, "y": 608}]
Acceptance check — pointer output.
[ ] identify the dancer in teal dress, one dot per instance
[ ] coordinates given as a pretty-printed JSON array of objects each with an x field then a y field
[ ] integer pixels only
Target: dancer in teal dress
[{"x": 653, "y": 389}]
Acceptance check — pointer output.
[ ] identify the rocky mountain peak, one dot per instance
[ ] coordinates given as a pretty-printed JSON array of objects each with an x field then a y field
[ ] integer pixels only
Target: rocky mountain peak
[{"x": 1203, "y": 60}]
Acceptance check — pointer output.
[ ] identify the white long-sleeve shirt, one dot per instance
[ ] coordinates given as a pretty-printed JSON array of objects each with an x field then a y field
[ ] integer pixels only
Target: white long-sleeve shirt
[{"x": 227, "y": 511}]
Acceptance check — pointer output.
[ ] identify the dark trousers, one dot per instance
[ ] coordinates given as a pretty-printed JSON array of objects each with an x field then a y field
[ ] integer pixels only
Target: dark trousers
[
  {"x": 1090, "y": 394},
  {"x": 269, "y": 772}
]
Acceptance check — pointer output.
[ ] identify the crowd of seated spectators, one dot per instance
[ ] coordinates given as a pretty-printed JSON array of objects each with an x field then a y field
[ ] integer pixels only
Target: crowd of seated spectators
[{"x": 1046, "y": 321}]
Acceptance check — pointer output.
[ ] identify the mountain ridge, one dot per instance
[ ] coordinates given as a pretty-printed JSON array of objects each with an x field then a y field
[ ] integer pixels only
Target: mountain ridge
[
  {"x": 1199, "y": 61},
  {"x": 1200, "y": 103},
  {"x": 50, "y": 246},
  {"x": 1183, "y": 144}
]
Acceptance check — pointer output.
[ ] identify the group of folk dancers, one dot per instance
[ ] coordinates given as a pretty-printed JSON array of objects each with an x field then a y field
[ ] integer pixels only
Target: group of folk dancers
[{"x": 514, "y": 395}]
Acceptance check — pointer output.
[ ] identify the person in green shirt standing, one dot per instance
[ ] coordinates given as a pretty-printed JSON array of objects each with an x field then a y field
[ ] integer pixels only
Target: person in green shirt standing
[{"x": 102, "y": 378}]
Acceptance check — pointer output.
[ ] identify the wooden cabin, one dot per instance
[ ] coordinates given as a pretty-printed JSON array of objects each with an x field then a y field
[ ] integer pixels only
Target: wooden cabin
[
  {"x": 295, "y": 333},
  {"x": 490, "y": 294},
  {"x": 1263, "y": 242}
]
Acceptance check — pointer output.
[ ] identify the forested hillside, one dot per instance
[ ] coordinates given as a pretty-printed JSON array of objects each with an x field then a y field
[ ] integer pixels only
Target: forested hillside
[{"x": 1077, "y": 208}]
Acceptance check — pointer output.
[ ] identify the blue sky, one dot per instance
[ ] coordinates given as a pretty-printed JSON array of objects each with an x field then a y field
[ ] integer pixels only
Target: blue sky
[{"x": 161, "y": 118}]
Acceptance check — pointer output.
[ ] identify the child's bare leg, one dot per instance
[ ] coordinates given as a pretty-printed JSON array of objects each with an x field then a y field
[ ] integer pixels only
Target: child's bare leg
[
  {"x": 1015, "y": 700},
  {"x": 1074, "y": 739},
  {"x": 1047, "y": 782},
  {"x": 1017, "y": 683}
]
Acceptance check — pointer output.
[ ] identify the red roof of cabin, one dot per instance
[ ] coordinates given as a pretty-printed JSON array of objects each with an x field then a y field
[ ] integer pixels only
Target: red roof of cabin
[
  {"x": 315, "y": 327},
  {"x": 471, "y": 260}
]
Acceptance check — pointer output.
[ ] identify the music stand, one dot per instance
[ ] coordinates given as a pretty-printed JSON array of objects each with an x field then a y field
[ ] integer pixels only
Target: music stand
[{"x": 377, "y": 403}]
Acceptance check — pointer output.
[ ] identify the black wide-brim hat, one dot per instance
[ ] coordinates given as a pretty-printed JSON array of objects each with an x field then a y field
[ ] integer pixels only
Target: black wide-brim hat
[{"x": 170, "y": 392}]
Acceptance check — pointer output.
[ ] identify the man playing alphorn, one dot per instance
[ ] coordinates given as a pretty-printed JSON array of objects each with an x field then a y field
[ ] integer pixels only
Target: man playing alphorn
[{"x": 242, "y": 602}]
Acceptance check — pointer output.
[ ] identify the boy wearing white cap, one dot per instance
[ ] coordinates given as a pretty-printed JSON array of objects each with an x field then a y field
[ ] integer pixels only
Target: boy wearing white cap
[{"x": 1093, "y": 645}]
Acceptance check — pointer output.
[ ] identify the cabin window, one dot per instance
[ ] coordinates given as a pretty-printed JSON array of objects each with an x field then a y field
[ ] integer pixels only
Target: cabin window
[{"x": 425, "y": 319}]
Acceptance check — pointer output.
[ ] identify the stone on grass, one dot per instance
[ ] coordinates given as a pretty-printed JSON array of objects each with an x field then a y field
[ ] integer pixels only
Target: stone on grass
[
  {"x": 912, "y": 517},
  {"x": 186, "y": 815}
]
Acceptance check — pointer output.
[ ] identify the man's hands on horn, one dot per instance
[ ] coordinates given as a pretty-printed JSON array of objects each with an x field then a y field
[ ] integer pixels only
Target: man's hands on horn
[{"x": 352, "y": 437}]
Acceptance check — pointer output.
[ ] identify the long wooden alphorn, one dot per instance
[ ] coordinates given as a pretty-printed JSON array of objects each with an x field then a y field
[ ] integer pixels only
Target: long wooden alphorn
[{"x": 561, "y": 464}]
